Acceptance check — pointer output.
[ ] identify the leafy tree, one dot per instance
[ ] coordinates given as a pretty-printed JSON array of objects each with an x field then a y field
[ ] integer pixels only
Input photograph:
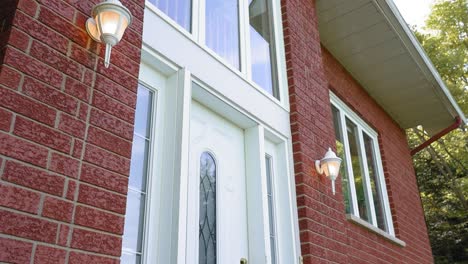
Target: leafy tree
[{"x": 442, "y": 168}]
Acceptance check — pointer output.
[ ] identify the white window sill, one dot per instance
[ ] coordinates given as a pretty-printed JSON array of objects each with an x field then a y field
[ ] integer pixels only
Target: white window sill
[{"x": 359, "y": 221}]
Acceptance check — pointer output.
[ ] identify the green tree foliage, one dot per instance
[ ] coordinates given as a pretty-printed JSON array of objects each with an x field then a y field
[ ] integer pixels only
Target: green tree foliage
[{"x": 442, "y": 168}]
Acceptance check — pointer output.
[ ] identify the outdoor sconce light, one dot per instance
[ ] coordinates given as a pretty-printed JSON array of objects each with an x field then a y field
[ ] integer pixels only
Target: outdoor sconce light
[
  {"x": 107, "y": 24},
  {"x": 330, "y": 165}
]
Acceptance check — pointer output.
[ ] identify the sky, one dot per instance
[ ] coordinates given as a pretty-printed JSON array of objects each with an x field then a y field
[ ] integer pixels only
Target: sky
[{"x": 414, "y": 11}]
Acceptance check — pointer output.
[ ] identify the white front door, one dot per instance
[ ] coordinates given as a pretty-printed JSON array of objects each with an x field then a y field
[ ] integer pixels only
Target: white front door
[{"x": 217, "y": 206}]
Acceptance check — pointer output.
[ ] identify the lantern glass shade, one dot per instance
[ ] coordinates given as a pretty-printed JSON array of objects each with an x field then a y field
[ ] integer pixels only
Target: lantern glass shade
[
  {"x": 112, "y": 23},
  {"x": 331, "y": 167}
]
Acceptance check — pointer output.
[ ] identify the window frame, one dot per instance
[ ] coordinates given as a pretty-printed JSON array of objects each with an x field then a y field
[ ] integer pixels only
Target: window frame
[
  {"x": 197, "y": 34},
  {"x": 362, "y": 127}
]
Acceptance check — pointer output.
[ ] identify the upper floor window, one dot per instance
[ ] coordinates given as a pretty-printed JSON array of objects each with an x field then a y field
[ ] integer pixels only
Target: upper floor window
[
  {"x": 179, "y": 10},
  {"x": 362, "y": 175},
  {"x": 240, "y": 32}
]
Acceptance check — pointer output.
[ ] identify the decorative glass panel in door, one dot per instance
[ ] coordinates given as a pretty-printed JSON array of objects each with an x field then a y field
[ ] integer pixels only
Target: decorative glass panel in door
[{"x": 207, "y": 236}]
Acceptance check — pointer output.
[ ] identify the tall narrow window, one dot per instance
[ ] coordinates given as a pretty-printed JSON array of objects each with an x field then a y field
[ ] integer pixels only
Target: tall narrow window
[
  {"x": 137, "y": 196},
  {"x": 341, "y": 153},
  {"x": 222, "y": 29},
  {"x": 178, "y": 10},
  {"x": 271, "y": 208},
  {"x": 262, "y": 46},
  {"x": 362, "y": 176},
  {"x": 207, "y": 222}
]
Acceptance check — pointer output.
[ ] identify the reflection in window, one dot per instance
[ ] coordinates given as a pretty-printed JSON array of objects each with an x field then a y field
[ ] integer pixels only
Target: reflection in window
[
  {"x": 207, "y": 221},
  {"x": 341, "y": 153},
  {"x": 271, "y": 208},
  {"x": 374, "y": 181},
  {"x": 136, "y": 196},
  {"x": 178, "y": 10},
  {"x": 359, "y": 180},
  {"x": 262, "y": 46},
  {"x": 222, "y": 29}
]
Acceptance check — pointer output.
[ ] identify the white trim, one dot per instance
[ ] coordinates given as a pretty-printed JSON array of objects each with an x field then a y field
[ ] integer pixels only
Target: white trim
[
  {"x": 197, "y": 37},
  {"x": 362, "y": 127}
]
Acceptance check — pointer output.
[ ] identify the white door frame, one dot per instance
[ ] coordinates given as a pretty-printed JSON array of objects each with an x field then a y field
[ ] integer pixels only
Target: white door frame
[{"x": 167, "y": 241}]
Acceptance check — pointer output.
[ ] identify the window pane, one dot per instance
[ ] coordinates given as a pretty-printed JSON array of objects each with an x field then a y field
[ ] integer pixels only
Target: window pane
[
  {"x": 269, "y": 175},
  {"x": 133, "y": 229},
  {"x": 375, "y": 182},
  {"x": 179, "y": 10},
  {"x": 142, "y": 120},
  {"x": 134, "y": 216},
  {"x": 207, "y": 223},
  {"x": 358, "y": 172},
  {"x": 222, "y": 29},
  {"x": 341, "y": 153},
  {"x": 128, "y": 258},
  {"x": 139, "y": 163},
  {"x": 262, "y": 52}
]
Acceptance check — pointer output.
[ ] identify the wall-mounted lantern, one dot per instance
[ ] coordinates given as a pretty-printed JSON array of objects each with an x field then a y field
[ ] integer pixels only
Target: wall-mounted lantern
[
  {"x": 330, "y": 166},
  {"x": 107, "y": 24}
]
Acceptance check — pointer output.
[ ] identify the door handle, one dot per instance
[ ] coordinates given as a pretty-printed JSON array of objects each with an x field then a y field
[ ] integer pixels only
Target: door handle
[{"x": 243, "y": 261}]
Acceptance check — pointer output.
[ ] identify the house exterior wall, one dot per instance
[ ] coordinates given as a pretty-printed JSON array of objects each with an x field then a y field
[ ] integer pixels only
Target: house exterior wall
[
  {"x": 325, "y": 233},
  {"x": 66, "y": 126}
]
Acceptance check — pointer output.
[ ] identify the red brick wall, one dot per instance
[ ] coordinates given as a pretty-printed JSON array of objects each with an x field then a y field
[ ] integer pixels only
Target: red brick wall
[
  {"x": 66, "y": 127},
  {"x": 326, "y": 235}
]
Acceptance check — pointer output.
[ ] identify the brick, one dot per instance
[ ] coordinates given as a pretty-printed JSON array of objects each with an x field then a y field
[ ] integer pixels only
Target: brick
[
  {"x": 116, "y": 74},
  {"x": 89, "y": 217},
  {"x": 15, "y": 251},
  {"x": 109, "y": 142},
  {"x": 18, "y": 39},
  {"x": 56, "y": 60},
  {"x": 77, "y": 148},
  {"x": 104, "y": 178},
  {"x": 64, "y": 27},
  {"x": 111, "y": 124},
  {"x": 64, "y": 165},
  {"x": 77, "y": 89},
  {"x": 96, "y": 242},
  {"x": 5, "y": 119},
  {"x": 40, "y": 32},
  {"x": 22, "y": 150},
  {"x": 102, "y": 199},
  {"x": 49, "y": 255},
  {"x": 106, "y": 159},
  {"x": 57, "y": 209},
  {"x": 50, "y": 96},
  {"x": 115, "y": 91},
  {"x": 60, "y": 7},
  {"x": 28, "y": 6},
  {"x": 42, "y": 135},
  {"x": 83, "y": 112},
  {"x": 79, "y": 258},
  {"x": 64, "y": 232},
  {"x": 83, "y": 6},
  {"x": 113, "y": 107},
  {"x": 9, "y": 77},
  {"x": 83, "y": 56},
  {"x": 72, "y": 126},
  {"x": 33, "y": 178},
  {"x": 27, "y": 227},
  {"x": 25, "y": 106},
  {"x": 19, "y": 198},
  {"x": 33, "y": 67},
  {"x": 71, "y": 190}
]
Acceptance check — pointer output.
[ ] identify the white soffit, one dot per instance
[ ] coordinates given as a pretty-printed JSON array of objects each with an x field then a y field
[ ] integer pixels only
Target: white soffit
[{"x": 372, "y": 41}]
